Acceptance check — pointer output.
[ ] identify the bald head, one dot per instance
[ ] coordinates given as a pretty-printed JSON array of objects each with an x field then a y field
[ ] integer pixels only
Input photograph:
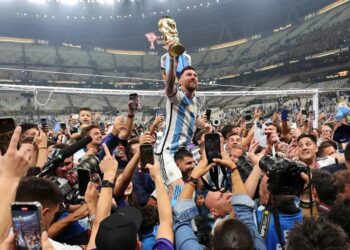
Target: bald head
[{"x": 218, "y": 203}]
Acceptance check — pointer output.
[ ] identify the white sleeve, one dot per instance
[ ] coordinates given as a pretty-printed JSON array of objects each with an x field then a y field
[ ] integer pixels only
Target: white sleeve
[
  {"x": 59, "y": 246},
  {"x": 177, "y": 97}
]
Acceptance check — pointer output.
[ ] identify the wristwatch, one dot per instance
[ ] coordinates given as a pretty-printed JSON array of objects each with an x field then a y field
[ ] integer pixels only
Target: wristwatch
[{"x": 106, "y": 183}]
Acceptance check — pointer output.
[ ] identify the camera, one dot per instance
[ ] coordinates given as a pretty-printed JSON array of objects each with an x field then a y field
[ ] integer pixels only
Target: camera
[
  {"x": 69, "y": 185},
  {"x": 284, "y": 175},
  {"x": 244, "y": 167},
  {"x": 216, "y": 123}
]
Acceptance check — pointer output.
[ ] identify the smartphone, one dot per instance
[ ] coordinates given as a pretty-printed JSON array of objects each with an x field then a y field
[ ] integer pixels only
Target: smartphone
[
  {"x": 102, "y": 126},
  {"x": 27, "y": 225},
  {"x": 208, "y": 114},
  {"x": 212, "y": 146},
  {"x": 135, "y": 101},
  {"x": 7, "y": 128},
  {"x": 147, "y": 156},
  {"x": 84, "y": 177},
  {"x": 259, "y": 134},
  {"x": 43, "y": 122},
  {"x": 75, "y": 116},
  {"x": 284, "y": 115},
  {"x": 63, "y": 126}
]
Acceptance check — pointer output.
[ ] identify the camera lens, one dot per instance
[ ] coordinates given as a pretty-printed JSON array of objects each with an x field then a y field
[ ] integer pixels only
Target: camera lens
[
  {"x": 91, "y": 163},
  {"x": 266, "y": 162}
]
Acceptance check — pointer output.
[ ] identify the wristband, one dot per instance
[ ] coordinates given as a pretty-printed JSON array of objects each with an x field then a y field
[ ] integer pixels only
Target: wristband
[
  {"x": 131, "y": 116},
  {"x": 306, "y": 204},
  {"x": 43, "y": 148},
  {"x": 92, "y": 218}
]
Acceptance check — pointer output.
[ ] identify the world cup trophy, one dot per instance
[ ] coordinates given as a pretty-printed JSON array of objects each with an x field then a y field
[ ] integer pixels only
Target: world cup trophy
[{"x": 167, "y": 27}]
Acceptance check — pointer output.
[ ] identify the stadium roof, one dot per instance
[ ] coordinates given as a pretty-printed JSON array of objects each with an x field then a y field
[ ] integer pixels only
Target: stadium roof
[{"x": 123, "y": 24}]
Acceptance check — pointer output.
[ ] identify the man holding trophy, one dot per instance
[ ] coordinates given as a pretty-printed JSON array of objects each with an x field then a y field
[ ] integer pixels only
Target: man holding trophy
[{"x": 181, "y": 108}]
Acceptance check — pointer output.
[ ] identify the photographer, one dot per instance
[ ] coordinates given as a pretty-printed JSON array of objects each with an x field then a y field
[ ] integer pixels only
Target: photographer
[{"x": 228, "y": 234}]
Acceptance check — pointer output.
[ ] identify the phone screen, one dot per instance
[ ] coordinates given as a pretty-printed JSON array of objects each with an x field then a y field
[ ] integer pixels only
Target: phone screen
[
  {"x": 284, "y": 115},
  {"x": 134, "y": 99},
  {"x": 212, "y": 146},
  {"x": 26, "y": 220},
  {"x": 7, "y": 128},
  {"x": 147, "y": 156},
  {"x": 63, "y": 126},
  {"x": 84, "y": 177},
  {"x": 208, "y": 114},
  {"x": 259, "y": 134}
]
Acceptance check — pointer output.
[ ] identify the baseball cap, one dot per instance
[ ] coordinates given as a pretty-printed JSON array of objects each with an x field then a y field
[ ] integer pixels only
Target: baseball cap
[{"x": 119, "y": 230}]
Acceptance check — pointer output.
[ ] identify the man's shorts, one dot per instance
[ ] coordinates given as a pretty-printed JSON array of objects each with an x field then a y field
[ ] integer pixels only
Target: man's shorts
[{"x": 169, "y": 170}]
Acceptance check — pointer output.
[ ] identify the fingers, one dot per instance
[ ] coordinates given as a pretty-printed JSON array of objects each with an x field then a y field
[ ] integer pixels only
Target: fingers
[
  {"x": 14, "y": 140},
  {"x": 105, "y": 148},
  {"x": 253, "y": 146},
  {"x": 26, "y": 150},
  {"x": 45, "y": 243}
]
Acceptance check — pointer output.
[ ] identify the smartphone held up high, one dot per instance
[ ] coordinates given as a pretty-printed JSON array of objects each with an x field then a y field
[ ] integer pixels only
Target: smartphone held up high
[
  {"x": 27, "y": 225},
  {"x": 147, "y": 156},
  {"x": 7, "y": 128},
  {"x": 212, "y": 146}
]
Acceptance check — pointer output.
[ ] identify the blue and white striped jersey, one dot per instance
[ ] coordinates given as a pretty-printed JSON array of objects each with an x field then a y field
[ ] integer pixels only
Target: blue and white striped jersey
[{"x": 181, "y": 113}]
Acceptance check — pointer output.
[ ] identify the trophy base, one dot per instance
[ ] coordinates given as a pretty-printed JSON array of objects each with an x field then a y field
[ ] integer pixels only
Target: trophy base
[{"x": 176, "y": 50}]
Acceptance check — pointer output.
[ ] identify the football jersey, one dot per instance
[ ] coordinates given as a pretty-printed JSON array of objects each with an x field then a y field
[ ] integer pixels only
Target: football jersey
[{"x": 181, "y": 113}]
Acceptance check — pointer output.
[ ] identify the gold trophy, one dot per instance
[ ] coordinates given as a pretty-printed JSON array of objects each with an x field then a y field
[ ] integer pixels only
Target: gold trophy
[{"x": 167, "y": 27}]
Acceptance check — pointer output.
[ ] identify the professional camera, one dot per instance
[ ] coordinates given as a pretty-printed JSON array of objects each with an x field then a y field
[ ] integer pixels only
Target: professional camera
[
  {"x": 69, "y": 184},
  {"x": 244, "y": 167},
  {"x": 90, "y": 163},
  {"x": 284, "y": 175}
]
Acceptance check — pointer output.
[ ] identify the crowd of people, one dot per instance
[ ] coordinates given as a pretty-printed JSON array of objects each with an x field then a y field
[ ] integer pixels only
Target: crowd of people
[{"x": 257, "y": 182}]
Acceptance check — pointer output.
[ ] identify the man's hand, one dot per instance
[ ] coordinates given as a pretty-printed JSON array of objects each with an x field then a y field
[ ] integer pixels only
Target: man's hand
[
  {"x": 227, "y": 163},
  {"x": 91, "y": 197},
  {"x": 158, "y": 120},
  {"x": 40, "y": 139},
  {"x": 253, "y": 157},
  {"x": 202, "y": 168},
  {"x": 91, "y": 151},
  {"x": 258, "y": 113},
  {"x": 14, "y": 164},
  {"x": 147, "y": 138},
  {"x": 80, "y": 213},
  {"x": 109, "y": 164},
  {"x": 118, "y": 125},
  {"x": 154, "y": 170}
]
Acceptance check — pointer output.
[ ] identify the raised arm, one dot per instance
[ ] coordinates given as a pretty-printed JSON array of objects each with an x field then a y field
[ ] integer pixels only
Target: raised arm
[
  {"x": 165, "y": 229},
  {"x": 109, "y": 168},
  {"x": 170, "y": 88}
]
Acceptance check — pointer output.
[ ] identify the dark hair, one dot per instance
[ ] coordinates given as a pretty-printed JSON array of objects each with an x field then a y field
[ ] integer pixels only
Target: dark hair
[
  {"x": 232, "y": 134},
  {"x": 347, "y": 152},
  {"x": 26, "y": 126},
  {"x": 226, "y": 130},
  {"x": 85, "y": 109},
  {"x": 185, "y": 69},
  {"x": 33, "y": 171},
  {"x": 320, "y": 234},
  {"x": 128, "y": 149},
  {"x": 326, "y": 144},
  {"x": 326, "y": 186},
  {"x": 181, "y": 154},
  {"x": 340, "y": 215},
  {"x": 232, "y": 234},
  {"x": 38, "y": 189},
  {"x": 310, "y": 136},
  {"x": 150, "y": 219},
  {"x": 85, "y": 131}
]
